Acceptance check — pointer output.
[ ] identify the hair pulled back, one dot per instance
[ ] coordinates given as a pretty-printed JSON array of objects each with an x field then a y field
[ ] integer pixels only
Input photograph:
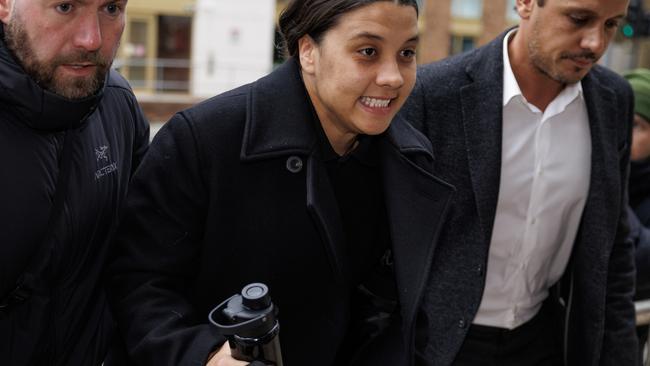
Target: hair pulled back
[{"x": 316, "y": 17}]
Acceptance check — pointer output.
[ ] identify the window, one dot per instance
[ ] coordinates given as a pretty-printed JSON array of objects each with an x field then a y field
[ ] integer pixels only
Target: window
[
  {"x": 136, "y": 52},
  {"x": 174, "y": 52},
  {"x": 155, "y": 56},
  {"x": 461, "y": 43},
  {"x": 467, "y": 9}
]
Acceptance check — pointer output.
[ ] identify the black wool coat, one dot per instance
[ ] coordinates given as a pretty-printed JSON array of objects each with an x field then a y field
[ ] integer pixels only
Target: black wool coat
[
  {"x": 457, "y": 103},
  {"x": 231, "y": 193}
]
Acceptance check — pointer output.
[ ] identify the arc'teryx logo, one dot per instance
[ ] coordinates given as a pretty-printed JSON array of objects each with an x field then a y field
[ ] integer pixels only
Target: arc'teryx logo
[{"x": 101, "y": 153}]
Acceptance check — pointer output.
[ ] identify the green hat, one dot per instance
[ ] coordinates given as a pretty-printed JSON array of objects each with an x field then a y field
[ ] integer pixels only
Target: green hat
[{"x": 640, "y": 81}]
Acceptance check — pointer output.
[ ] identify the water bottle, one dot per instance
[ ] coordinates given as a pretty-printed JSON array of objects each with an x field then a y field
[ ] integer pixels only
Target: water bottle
[{"x": 249, "y": 323}]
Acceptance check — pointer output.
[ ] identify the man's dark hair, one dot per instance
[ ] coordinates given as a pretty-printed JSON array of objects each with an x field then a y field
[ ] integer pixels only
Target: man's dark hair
[{"x": 315, "y": 17}]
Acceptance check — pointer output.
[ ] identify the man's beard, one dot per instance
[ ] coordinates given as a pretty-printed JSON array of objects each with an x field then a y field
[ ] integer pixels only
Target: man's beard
[
  {"x": 44, "y": 73},
  {"x": 544, "y": 63}
]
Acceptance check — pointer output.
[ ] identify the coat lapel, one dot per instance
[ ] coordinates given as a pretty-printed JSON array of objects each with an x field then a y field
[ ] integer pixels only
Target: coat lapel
[
  {"x": 604, "y": 186},
  {"x": 280, "y": 124},
  {"x": 481, "y": 103},
  {"x": 322, "y": 206},
  {"x": 416, "y": 203},
  {"x": 278, "y": 116}
]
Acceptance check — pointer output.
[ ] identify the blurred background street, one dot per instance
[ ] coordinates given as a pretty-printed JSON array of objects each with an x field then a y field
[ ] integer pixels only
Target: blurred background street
[{"x": 176, "y": 53}]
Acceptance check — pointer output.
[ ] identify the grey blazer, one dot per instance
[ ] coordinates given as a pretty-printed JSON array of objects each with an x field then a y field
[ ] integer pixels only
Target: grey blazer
[{"x": 457, "y": 103}]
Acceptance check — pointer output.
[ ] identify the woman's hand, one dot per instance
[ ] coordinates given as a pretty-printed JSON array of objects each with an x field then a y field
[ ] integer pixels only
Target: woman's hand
[{"x": 224, "y": 358}]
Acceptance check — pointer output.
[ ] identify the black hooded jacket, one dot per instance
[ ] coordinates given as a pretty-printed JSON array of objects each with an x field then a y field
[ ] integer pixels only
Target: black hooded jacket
[{"x": 65, "y": 319}]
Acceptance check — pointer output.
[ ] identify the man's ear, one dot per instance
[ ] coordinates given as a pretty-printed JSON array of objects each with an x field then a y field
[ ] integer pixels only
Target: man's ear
[
  {"x": 5, "y": 10},
  {"x": 524, "y": 8},
  {"x": 307, "y": 53}
]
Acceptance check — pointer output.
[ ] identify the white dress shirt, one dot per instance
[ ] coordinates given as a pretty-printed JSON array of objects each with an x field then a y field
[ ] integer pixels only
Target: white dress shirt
[{"x": 545, "y": 173}]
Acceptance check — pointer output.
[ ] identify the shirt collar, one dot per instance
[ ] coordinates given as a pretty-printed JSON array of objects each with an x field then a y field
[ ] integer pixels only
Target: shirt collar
[
  {"x": 511, "y": 87},
  {"x": 570, "y": 93}
]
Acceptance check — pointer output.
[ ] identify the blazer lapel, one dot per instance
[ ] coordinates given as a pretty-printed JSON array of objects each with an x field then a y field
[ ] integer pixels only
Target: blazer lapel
[
  {"x": 481, "y": 103},
  {"x": 604, "y": 186},
  {"x": 416, "y": 204}
]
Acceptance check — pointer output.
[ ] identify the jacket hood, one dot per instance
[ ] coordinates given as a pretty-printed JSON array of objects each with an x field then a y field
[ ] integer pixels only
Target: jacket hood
[{"x": 35, "y": 106}]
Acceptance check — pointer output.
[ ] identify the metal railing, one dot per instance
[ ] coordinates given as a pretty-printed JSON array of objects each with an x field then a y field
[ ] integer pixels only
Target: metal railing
[
  {"x": 643, "y": 318},
  {"x": 159, "y": 82},
  {"x": 173, "y": 75}
]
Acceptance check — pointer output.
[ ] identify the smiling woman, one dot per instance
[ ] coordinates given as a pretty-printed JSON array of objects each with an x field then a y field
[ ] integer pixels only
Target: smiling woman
[
  {"x": 303, "y": 180},
  {"x": 360, "y": 73}
]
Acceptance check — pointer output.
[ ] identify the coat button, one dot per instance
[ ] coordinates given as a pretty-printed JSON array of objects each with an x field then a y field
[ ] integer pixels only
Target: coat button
[
  {"x": 294, "y": 164},
  {"x": 462, "y": 323}
]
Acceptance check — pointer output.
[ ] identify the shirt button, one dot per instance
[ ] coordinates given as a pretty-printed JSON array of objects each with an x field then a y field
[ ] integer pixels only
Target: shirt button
[{"x": 294, "y": 164}]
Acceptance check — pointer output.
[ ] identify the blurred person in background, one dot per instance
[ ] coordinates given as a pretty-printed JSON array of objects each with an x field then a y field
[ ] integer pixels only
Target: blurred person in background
[
  {"x": 301, "y": 180},
  {"x": 639, "y": 190},
  {"x": 71, "y": 134},
  {"x": 535, "y": 136}
]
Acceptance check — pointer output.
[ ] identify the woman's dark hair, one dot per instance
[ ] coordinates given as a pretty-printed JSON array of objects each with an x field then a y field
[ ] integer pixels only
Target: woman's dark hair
[{"x": 315, "y": 17}]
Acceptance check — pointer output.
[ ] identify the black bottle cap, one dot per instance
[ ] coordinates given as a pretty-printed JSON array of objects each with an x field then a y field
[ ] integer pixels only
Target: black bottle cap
[
  {"x": 255, "y": 296},
  {"x": 249, "y": 315}
]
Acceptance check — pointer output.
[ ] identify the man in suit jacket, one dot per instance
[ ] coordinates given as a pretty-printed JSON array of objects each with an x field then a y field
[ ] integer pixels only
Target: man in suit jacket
[{"x": 533, "y": 267}]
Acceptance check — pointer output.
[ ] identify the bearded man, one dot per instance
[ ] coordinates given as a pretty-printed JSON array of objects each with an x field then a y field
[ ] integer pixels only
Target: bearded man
[
  {"x": 534, "y": 263},
  {"x": 71, "y": 134}
]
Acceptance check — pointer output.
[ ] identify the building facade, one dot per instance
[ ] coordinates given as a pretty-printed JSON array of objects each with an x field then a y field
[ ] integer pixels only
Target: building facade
[
  {"x": 181, "y": 51},
  {"x": 233, "y": 45},
  {"x": 178, "y": 52},
  {"x": 450, "y": 27},
  {"x": 196, "y": 47},
  {"x": 454, "y": 26},
  {"x": 156, "y": 49}
]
